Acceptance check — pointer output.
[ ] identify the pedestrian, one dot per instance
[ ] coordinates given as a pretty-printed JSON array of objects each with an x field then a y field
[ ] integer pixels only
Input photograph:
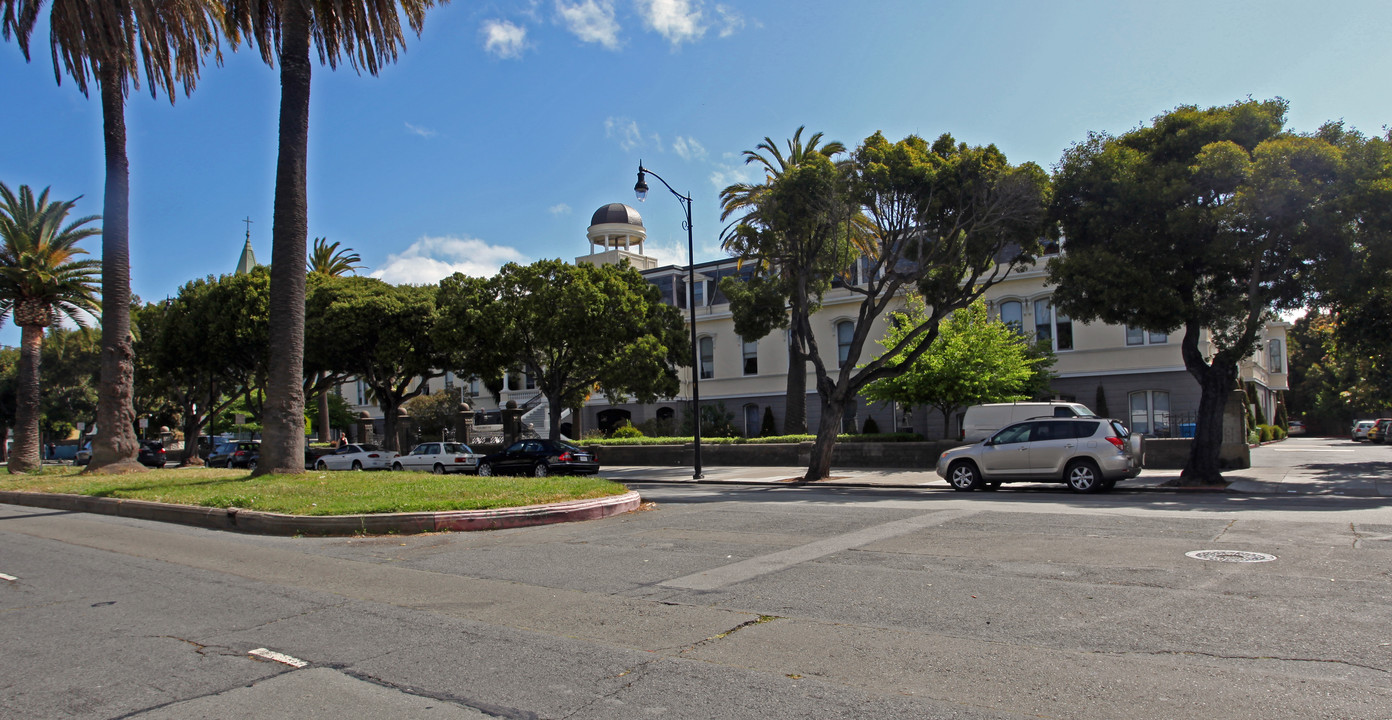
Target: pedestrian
[{"x": 342, "y": 441}]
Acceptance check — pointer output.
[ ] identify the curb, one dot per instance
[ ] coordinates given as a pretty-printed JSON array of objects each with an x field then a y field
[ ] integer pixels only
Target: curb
[
  {"x": 266, "y": 523},
  {"x": 911, "y": 486}
]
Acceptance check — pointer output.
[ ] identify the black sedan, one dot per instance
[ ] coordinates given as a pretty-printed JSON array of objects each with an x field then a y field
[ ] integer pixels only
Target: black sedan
[
  {"x": 152, "y": 454},
  {"x": 539, "y": 458},
  {"x": 240, "y": 454}
]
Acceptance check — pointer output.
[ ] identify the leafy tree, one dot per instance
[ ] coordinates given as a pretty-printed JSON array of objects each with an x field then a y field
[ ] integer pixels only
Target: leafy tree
[
  {"x": 1207, "y": 220},
  {"x": 367, "y": 34},
  {"x": 576, "y": 328},
  {"x": 759, "y": 304},
  {"x": 434, "y": 413},
  {"x": 948, "y": 219},
  {"x": 327, "y": 260},
  {"x": 378, "y": 332},
  {"x": 1326, "y": 387},
  {"x": 973, "y": 360},
  {"x": 71, "y": 362},
  {"x": 210, "y": 344},
  {"x": 9, "y": 385},
  {"x": 111, "y": 41},
  {"x": 40, "y": 277}
]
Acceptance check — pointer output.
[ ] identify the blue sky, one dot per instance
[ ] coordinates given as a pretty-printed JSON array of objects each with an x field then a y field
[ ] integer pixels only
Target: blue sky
[{"x": 506, "y": 124}]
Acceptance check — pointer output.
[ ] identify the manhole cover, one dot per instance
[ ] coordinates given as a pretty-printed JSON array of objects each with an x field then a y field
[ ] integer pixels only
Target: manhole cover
[{"x": 1238, "y": 556}]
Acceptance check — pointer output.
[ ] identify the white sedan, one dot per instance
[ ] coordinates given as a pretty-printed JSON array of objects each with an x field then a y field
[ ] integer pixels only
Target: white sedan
[
  {"x": 357, "y": 457},
  {"x": 439, "y": 458}
]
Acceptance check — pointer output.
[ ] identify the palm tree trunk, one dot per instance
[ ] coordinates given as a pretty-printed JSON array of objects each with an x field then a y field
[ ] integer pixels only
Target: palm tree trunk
[
  {"x": 25, "y": 455},
  {"x": 282, "y": 444},
  {"x": 115, "y": 447},
  {"x": 324, "y": 414}
]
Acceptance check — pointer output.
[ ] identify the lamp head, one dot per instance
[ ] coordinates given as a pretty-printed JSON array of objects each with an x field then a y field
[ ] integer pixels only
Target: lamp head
[{"x": 641, "y": 187}]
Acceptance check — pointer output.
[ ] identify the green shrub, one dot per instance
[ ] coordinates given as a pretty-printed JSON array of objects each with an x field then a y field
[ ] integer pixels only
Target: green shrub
[
  {"x": 871, "y": 427},
  {"x": 1254, "y": 437},
  {"x": 625, "y": 429},
  {"x": 659, "y": 427},
  {"x": 767, "y": 428}
]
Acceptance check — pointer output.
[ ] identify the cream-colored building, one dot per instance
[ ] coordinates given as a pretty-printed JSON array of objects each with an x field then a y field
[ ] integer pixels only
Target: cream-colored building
[{"x": 1132, "y": 375}]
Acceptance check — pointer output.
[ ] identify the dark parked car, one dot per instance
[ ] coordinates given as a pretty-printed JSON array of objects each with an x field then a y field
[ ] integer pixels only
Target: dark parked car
[
  {"x": 240, "y": 454},
  {"x": 152, "y": 454},
  {"x": 539, "y": 458}
]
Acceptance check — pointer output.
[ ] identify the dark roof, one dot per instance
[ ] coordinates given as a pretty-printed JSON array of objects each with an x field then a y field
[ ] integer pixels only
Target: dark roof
[{"x": 616, "y": 213}]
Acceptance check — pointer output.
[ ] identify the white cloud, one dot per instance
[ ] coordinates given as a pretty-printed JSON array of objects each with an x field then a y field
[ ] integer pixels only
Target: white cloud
[
  {"x": 561, "y": 209},
  {"x": 431, "y": 259},
  {"x": 672, "y": 253},
  {"x": 504, "y": 39},
  {"x": 423, "y": 132},
  {"x": 592, "y": 21},
  {"x": 677, "y": 20},
  {"x": 624, "y": 130},
  {"x": 689, "y": 149},
  {"x": 726, "y": 174},
  {"x": 730, "y": 21}
]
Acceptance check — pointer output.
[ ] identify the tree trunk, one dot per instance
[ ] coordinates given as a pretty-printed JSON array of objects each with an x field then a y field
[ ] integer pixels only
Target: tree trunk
[
  {"x": 827, "y": 430},
  {"x": 390, "y": 409},
  {"x": 115, "y": 448},
  {"x": 324, "y": 415},
  {"x": 1216, "y": 379},
  {"x": 25, "y": 455},
  {"x": 795, "y": 415},
  {"x": 553, "y": 412},
  {"x": 283, "y": 439}
]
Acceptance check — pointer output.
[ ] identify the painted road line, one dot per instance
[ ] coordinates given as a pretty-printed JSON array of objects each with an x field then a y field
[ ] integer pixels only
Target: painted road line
[
  {"x": 9, "y": 578},
  {"x": 773, "y": 562},
  {"x": 278, "y": 657}
]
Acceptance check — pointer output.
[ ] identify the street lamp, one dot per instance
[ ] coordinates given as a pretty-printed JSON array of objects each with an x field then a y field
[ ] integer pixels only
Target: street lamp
[{"x": 641, "y": 190}]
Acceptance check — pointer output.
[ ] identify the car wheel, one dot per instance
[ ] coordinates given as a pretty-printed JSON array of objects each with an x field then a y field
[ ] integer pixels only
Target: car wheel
[
  {"x": 438, "y": 469},
  {"x": 1082, "y": 476},
  {"x": 321, "y": 465},
  {"x": 963, "y": 476},
  {"x": 540, "y": 470},
  {"x": 251, "y": 465},
  {"x": 485, "y": 469},
  {"x": 397, "y": 467},
  {"x": 357, "y": 465}
]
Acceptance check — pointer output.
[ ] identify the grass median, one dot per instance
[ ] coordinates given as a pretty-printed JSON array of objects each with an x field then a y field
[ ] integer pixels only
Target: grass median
[{"x": 318, "y": 492}]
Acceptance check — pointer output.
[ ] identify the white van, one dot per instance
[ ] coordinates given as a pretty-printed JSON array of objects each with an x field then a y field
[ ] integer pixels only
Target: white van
[{"x": 982, "y": 421}]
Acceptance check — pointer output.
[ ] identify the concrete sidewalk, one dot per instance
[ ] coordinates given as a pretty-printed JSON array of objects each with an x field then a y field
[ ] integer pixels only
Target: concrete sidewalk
[{"x": 1354, "y": 481}]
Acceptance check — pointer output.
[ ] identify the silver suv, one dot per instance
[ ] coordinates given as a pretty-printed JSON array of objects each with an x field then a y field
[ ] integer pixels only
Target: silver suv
[{"x": 1089, "y": 454}]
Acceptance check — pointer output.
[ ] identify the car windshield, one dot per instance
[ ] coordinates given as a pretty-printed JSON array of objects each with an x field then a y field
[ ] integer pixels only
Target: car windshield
[
  {"x": 1083, "y": 411},
  {"x": 368, "y": 448},
  {"x": 457, "y": 448},
  {"x": 565, "y": 446}
]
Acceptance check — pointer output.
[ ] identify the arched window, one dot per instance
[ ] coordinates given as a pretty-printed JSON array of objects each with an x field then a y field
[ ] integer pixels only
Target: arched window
[
  {"x": 845, "y": 332},
  {"x": 1276, "y": 360},
  {"x": 1012, "y": 313},
  {"x": 751, "y": 420},
  {"x": 707, "y": 346},
  {"x": 1055, "y": 327},
  {"x": 750, "y": 350},
  {"x": 1150, "y": 412}
]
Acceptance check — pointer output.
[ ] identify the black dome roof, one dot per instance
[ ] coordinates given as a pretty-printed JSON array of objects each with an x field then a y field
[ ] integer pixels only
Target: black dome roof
[{"x": 616, "y": 213}]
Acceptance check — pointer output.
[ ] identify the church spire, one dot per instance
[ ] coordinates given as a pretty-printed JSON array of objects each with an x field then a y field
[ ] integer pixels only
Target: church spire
[{"x": 248, "y": 260}]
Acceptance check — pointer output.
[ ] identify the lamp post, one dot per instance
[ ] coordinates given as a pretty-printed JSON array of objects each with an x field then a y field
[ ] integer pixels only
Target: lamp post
[{"x": 641, "y": 190}]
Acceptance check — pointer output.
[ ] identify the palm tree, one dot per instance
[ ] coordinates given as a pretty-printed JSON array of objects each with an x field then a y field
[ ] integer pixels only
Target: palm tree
[
  {"x": 110, "y": 41},
  {"x": 40, "y": 277},
  {"x": 743, "y": 238},
  {"x": 366, "y": 33},
  {"x": 327, "y": 260}
]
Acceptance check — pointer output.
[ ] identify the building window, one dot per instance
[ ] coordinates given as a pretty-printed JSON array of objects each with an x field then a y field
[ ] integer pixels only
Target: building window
[
  {"x": 699, "y": 292},
  {"x": 475, "y": 386},
  {"x": 707, "y": 346},
  {"x": 751, "y": 420},
  {"x": 1012, "y": 313},
  {"x": 362, "y": 393},
  {"x": 529, "y": 380},
  {"x": 1137, "y": 336},
  {"x": 449, "y": 380},
  {"x": 1275, "y": 358},
  {"x": 1054, "y": 327},
  {"x": 751, "y": 357},
  {"x": 1150, "y": 412},
  {"x": 845, "y": 332}
]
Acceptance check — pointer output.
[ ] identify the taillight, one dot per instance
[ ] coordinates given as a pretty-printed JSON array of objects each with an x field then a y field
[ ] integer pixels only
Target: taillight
[
  {"x": 565, "y": 457},
  {"x": 373, "y": 455},
  {"x": 1118, "y": 442}
]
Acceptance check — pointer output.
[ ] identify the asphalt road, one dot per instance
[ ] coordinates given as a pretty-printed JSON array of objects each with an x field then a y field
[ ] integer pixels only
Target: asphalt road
[{"x": 731, "y": 602}]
